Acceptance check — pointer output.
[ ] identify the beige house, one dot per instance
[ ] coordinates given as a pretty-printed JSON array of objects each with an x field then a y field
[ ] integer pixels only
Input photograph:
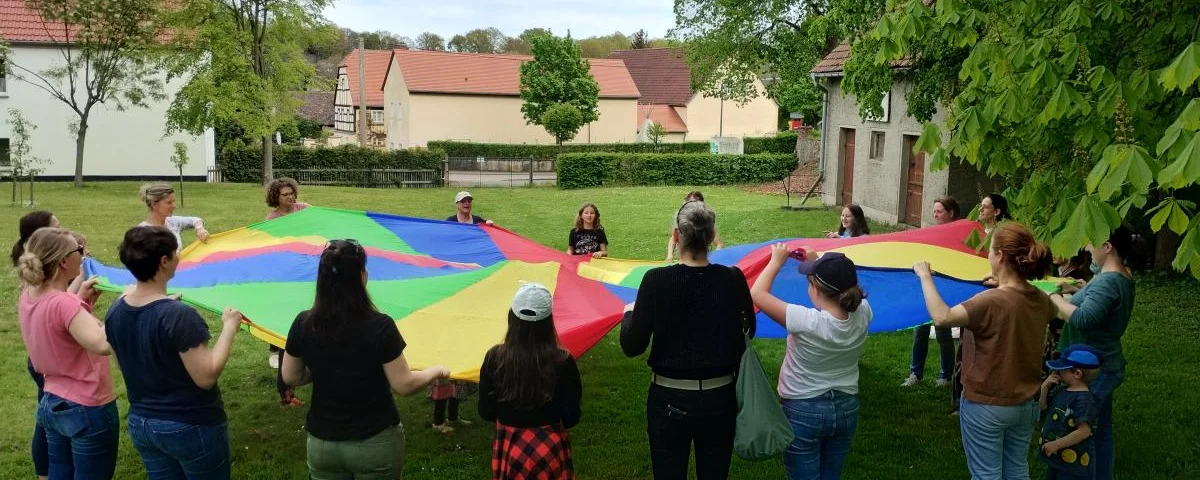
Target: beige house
[
  {"x": 870, "y": 162},
  {"x": 476, "y": 97},
  {"x": 665, "y": 81}
]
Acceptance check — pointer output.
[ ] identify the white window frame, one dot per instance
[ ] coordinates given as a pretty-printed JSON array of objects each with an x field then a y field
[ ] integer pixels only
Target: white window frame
[{"x": 878, "y": 141}]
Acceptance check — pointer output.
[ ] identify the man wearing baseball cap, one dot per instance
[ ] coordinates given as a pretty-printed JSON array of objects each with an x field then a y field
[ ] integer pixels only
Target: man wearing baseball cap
[
  {"x": 463, "y": 201},
  {"x": 1070, "y": 412}
]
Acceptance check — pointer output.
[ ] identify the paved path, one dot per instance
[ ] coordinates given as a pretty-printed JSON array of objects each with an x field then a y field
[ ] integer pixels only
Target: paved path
[{"x": 460, "y": 178}]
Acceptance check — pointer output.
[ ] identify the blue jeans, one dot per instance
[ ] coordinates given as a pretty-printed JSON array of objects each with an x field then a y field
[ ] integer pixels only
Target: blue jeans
[
  {"x": 38, "y": 447},
  {"x": 178, "y": 451},
  {"x": 996, "y": 439},
  {"x": 1102, "y": 388},
  {"x": 81, "y": 441},
  {"x": 920, "y": 350},
  {"x": 824, "y": 427}
]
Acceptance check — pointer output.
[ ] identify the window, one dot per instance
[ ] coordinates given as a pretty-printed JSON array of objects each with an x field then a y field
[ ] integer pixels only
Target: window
[
  {"x": 3, "y": 78},
  {"x": 5, "y": 160},
  {"x": 876, "y": 150},
  {"x": 376, "y": 117}
]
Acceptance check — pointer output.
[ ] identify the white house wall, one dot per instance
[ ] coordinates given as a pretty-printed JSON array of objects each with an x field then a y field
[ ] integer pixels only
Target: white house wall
[{"x": 119, "y": 143}]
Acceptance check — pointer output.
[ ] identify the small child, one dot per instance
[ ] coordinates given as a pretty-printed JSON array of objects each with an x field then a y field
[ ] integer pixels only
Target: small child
[
  {"x": 588, "y": 238},
  {"x": 1070, "y": 411},
  {"x": 446, "y": 395}
]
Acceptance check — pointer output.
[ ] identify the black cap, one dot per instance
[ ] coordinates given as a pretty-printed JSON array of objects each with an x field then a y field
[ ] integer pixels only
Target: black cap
[{"x": 833, "y": 270}]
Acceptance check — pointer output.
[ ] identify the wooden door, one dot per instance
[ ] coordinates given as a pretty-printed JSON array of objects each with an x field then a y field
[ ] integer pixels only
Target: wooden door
[
  {"x": 847, "y": 192},
  {"x": 915, "y": 188}
]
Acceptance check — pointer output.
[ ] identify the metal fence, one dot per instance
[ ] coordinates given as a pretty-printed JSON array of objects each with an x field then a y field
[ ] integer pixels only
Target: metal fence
[
  {"x": 500, "y": 171},
  {"x": 366, "y": 177}
]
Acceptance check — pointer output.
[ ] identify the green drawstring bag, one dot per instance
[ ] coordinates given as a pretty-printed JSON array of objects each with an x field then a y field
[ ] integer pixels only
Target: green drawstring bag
[{"x": 763, "y": 432}]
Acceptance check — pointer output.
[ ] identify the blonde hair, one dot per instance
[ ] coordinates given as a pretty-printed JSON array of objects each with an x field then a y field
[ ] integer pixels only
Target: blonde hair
[
  {"x": 45, "y": 249},
  {"x": 153, "y": 193}
]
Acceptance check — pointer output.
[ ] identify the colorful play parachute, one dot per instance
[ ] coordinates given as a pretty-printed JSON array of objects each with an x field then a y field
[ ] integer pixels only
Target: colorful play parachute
[{"x": 449, "y": 285}]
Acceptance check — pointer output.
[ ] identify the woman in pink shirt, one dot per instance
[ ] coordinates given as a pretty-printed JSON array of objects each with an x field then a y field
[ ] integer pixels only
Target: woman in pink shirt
[
  {"x": 281, "y": 195},
  {"x": 67, "y": 345}
]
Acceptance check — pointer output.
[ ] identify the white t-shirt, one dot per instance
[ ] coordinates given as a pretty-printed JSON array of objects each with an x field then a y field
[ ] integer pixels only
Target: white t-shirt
[
  {"x": 176, "y": 225},
  {"x": 822, "y": 352}
]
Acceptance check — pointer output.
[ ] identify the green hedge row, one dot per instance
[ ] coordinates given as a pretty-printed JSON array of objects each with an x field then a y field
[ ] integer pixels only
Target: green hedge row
[
  {"x": 244, "y": 164},
  {"x": 584, "y": 170},
  {"x": 784, "y": 142}
]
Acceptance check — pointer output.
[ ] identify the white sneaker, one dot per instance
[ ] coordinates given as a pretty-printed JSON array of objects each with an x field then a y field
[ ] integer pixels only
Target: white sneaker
[
  {"x": 910, "y": 381},
  {"x": 273, "y": 361},
  {"x": 941, "y": 382}
]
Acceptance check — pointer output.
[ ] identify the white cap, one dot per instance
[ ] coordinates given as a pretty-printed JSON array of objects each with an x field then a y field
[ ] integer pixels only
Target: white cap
[
  {"x": 461, "y": 195},
  {"x": 532, "y": 302}
]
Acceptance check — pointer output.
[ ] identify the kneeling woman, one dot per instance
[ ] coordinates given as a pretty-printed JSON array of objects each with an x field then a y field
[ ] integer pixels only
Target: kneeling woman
[
  {"x": 530, "y": 387},
  {"x": 819, "y": 378},
  {"x": 354, "y": 356}
]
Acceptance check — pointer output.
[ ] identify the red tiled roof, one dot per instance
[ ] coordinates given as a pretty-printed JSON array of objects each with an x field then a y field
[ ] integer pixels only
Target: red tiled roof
[
  {"x": 664, "y": 115},
  {"x": 836, "y": 60},
  {"x": 491, "y": 74},
  {"x": 317, "y": 106},
  {"x": 376, "y": 65},
  {"x": 19, "y": 24},
  {"x": 661, "y": 74}
]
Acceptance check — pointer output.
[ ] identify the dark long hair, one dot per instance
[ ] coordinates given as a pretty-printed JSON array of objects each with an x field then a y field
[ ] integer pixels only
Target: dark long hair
[
  {"x": 860, "y": 227},
  {"x": 30, "y": 223},
  {"x": 1001, "y": 204},
  {"x": 342, "y": 300},
  {"x": 526, "y": 362}
]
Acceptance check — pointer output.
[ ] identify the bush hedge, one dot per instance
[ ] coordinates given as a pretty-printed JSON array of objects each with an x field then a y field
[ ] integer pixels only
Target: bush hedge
[
  {"x": 244, "y": 164},
  {"x": 469, "y": 149},
  {"x": 782, "y": 142},
  {"x": 584, "y": 170}
]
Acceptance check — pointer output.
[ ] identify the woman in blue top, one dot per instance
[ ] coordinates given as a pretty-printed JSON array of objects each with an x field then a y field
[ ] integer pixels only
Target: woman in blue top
[
  {"x": 1097, "y": 316},
  {"x": 853, "y": 223}
]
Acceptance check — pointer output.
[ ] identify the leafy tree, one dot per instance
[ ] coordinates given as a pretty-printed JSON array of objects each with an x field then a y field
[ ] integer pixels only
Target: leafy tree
[
  {"x": 245, "y": 57},
  {"x": 557, "y": 75},
  {"x": 430, "y": 41},
  {"x": 20, "y": 152},
  {"x": 1090, "y": 109},
  {"x": 479, "y": 40},
  {"x": 107, "y": 51},
  {"x": 639, "y": 40},
  {"x": 563, "y": 121},
  {"x": 655, "y": 133},
  {"x": 732, "y": 43},
  {"x": 523, "y": 44},
  {"x": 180, "y": 160},
  {"x": 602, "y": 46}
]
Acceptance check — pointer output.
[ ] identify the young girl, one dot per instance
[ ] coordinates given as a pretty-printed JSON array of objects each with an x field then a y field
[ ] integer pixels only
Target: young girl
[
  {"x": 588, "y": 238},
  {"x": 447, "y": 395},
  {"x": 853, "y": 223},
  {"x": 530, "y": 388},
  {"x": 818, "y": 382}
]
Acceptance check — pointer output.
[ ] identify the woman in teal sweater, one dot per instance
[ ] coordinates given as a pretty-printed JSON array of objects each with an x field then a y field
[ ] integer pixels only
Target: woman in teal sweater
[{"x": 1097, "y": 316}]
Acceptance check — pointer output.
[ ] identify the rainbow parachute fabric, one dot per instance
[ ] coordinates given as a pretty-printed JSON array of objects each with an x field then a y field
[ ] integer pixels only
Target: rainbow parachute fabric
[{"x": 449, "y": 286}]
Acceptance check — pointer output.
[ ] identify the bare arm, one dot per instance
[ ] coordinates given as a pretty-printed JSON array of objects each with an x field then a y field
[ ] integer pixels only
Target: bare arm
[
  {"x": 87, "y": 330},
  {"x": 1063, "y": 308},
  {"x": 1082, "y": 432},
  {"x": 205, "y": 365},
  {"x": 769, "y": 304},
  {"x": 1044, "y": 394},
  {"x": 294, "y": 372},
  {"x": 671, "y": 246},
  {"x": 941, "y": 314},
  {"x": 407, "y": 382}
]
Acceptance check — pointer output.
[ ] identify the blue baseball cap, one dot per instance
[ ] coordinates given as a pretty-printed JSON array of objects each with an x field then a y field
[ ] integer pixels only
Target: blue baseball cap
[
  {"x": 833, "y": 270},
  {"x": 1082, "y": 358}
]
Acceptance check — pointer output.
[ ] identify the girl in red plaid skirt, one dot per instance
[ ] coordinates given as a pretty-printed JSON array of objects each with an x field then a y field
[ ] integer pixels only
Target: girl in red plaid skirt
[{"x": 530, "y": 388}]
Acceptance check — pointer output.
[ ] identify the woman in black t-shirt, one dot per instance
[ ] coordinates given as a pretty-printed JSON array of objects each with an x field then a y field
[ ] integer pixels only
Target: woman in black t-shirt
[
  {"x": 353, "y": 356},
  {"x": 588, "y": 238},
  {"x": 692, "y": 315},
  {"x": 530, "y": 388}
]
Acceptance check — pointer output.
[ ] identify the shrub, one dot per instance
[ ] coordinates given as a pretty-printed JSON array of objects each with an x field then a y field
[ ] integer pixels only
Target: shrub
[
  {"x": 469, "y": 149},
  {"x": 244, "y": 164},
  {"x": 583, "y": 170},
  {"x": 782, "y": 142}
]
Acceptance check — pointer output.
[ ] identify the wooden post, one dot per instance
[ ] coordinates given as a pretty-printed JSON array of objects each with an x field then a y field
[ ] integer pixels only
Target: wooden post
[
  {"x": 362, "y": 120},
  {"x": 531, "y": 163}
]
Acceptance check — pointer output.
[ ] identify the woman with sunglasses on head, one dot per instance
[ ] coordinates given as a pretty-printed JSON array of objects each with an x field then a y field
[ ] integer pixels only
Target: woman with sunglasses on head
[
  {"x": 281, "y": 196},
  {"x": 818, "y": 381},
  {"x": 672, "y": 242},
  {"x": 694, "y": 316},
  {"x": 176, "y": 416},
  {"x": 66, "y": 344},
  {"x": 160, "y": 201},
  {"x": 353, "y": 355}
]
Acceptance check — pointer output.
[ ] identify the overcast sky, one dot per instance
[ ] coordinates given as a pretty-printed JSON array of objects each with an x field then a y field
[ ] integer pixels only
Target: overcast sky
[{"x": 584, "y": 18}]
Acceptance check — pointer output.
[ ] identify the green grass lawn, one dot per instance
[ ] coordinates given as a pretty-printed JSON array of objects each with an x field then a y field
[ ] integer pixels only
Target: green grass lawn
[{"x": 903, "y": 433}]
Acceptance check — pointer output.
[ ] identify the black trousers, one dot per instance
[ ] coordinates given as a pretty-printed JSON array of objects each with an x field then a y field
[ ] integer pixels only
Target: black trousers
[
  {"x": 679, "y": 420},
  {"x": 439, "y": 410}
]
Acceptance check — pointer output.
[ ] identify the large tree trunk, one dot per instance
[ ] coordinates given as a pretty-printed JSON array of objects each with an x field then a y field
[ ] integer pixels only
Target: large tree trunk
[
  {"x": 80, "y": 140},
  {"x": 268, "y": 170},
  {"x": 1166, "y": 244}
]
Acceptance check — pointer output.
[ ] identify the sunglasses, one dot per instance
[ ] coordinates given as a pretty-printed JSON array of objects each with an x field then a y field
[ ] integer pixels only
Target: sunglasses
[
  {"x": 332, "y": 243},
  {"x": 80, "y": 249}
]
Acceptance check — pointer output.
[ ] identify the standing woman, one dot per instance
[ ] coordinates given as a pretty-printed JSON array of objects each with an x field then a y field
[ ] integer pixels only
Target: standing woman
[
  {"x": 852, "y": 223},
  {"x": 160, "y": 199},
  {"x": 818, "y": 381},
  {"x": 1097, "y": 316},
  {"x": 530, "y": 389},
  {"x": 354, "y": 357},
  {"x": 694, "y": 316},
  {"x": 588, "y": 238},
  {"x": 281, "y": 195},
  {"x": 945, "y": 210},
  {"x": 1003, "y": 332},
  {"x": 993, "y": 209},
  {"x": 30, "y": 223},
  {"x": 66, "y": 344}
]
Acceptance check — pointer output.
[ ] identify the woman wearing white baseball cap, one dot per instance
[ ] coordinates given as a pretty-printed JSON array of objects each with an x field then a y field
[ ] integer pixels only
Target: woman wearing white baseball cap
[
  {"x": 530, "y": 387},
  {"x": 463, "y": 201}
]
